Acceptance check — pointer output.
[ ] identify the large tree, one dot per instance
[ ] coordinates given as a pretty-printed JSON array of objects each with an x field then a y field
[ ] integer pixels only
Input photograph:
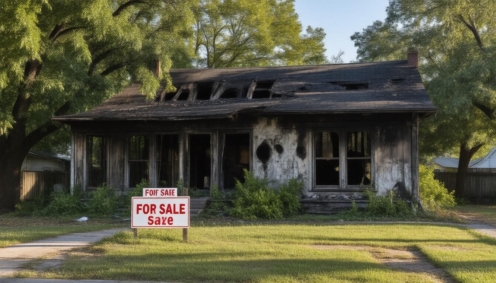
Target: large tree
[
  {"x": 232, "y": 33},
  {"x": 60, "y": 57},
  {"x": 456, "y": 40}
]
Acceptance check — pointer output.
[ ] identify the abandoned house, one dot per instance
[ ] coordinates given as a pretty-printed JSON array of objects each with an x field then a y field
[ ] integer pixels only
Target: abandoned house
[{"x": 340, "y": 129}]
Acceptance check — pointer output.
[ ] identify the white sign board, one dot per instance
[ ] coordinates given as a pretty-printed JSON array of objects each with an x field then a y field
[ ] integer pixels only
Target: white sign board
[
  {"x": 160, "y": 192},
  {"x": 160, "y": 212}
]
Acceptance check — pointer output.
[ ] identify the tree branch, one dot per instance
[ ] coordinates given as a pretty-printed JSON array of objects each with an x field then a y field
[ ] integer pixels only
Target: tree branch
[
  {"x": 65, "y": 31},
  {"x": 111, "y": 69},
  {"x": 490, "y": 113},
  {"x": 56, "y": 31},
  {"x": 125, "y": 5},
  {"x": 98, "y": 59},
  {"x": 473, "y": 29}
]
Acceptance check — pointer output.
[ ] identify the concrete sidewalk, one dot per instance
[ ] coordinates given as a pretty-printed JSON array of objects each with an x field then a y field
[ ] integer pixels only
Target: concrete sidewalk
[{"x": 11, "y": 258}]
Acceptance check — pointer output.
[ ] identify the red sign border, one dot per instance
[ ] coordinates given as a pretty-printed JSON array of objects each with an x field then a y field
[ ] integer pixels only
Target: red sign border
[{"x": 161, "y": 227}]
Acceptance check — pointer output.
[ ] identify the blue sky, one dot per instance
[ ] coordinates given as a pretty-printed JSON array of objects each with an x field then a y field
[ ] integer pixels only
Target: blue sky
[{"x": 340, "y": 19}]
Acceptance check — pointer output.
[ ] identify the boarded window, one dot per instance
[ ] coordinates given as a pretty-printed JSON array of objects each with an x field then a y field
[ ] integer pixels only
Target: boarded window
[
  {"x": 235, "y": 158},
  {"x": 199, "y": 161},
  {"x": 167, "y": 160},
  {"x": 97, "y": 161},
  {"x": 138, "y": 156}
]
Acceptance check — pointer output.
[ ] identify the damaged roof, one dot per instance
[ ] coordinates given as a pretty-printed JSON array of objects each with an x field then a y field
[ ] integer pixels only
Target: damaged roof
[{"x": 380, "y": 87}]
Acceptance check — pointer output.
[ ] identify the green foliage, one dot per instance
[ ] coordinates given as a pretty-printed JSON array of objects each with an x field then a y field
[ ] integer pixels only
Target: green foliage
[
  {"x": 254, "y": 33},
  {"x": 432, "y": 192},
  {"x": 386, "y": 205},
  {"x": 103, "y": 201},
  {"x": 63, "y": 204},
  {"x": 219, "y": 203},
  {"x": 255, "y": 199}
]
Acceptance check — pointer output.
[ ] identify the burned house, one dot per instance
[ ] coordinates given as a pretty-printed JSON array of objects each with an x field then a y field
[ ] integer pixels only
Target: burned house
[{"x": 340, "y": 129}]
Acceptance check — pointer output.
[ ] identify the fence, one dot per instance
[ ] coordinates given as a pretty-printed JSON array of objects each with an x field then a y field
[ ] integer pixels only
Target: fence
[
  {"x": 478, "y": 185},
  {"x": 35, "y": 183}
]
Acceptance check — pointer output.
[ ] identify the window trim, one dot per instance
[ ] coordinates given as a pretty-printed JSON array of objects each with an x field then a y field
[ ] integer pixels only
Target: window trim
[
  {"x": 86, "y": 164},
  {"x": 127, "y": 177},
  {"x": 343, "y": 161}
]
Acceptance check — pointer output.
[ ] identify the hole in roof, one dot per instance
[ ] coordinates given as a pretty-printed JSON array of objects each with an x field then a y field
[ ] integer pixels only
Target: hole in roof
[
  {"x": 230, "y": 93},
  {"x": 276, "y": 95},
  {"x": 258, "y": 94},
  {"x": 264, "y": 84},
  {"x": 184, "y": 95},
  {"x": 351, "y": 85},
  {"x": 204, "y": 90},
  {"x": 396, "y": 81},
  {"x": 169, "y": 95}
]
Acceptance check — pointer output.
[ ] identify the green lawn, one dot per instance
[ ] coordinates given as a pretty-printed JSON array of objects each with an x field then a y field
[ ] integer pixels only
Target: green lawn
[{"x": 251, "y": 252}]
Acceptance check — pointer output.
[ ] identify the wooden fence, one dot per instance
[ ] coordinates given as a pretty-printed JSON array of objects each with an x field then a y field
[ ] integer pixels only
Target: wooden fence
[
  {"x": 35, "y": 183},
  {"x": 478, "y": 185}
]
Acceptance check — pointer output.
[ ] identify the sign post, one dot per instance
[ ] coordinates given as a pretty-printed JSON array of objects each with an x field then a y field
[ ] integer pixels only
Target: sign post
[{"x": 185, "y": 230}]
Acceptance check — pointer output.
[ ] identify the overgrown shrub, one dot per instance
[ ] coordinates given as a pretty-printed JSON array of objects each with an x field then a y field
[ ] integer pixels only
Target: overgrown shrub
[
  {"x": 386, "y": 205},
  {"x": 432, "y": 192},
  {"x": 63, "y": 204},
  {"x": 255, "y": 199},
  {"x": 103, "y": 201},
  {"x": 218, "y": 202}
]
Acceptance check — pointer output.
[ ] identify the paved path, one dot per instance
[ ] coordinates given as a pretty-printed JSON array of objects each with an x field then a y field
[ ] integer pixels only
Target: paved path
[{"x": 485, "y": 229}]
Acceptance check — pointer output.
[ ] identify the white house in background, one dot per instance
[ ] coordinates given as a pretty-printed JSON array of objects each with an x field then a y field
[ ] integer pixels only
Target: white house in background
[
  {"x": 40, "y": 161},
  {"x": 486, "y": 163}
]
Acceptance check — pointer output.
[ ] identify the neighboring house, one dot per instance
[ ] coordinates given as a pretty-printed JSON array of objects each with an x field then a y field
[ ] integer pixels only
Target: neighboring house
[
  {"x": 340, "y": 129},
  {"x": 480, "y": 179},
  {"x": 484, "y": 164},
  {"x": 41, "y": 171}
]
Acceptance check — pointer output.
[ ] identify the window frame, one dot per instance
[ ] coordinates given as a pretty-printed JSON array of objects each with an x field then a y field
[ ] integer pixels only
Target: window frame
[
  {"x": 88, "y": 155},
  {"x": 128, "y": 160},
  {"x": 343, "y": 160}
]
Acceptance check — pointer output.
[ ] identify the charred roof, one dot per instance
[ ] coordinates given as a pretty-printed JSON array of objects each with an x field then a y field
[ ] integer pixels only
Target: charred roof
[{"x": 381, "y": 87}]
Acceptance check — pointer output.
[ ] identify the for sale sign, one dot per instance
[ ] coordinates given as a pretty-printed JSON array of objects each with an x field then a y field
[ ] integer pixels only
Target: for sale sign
[
  {"x": 160, "y": 212},
  {"x": 160, "y": 192}
]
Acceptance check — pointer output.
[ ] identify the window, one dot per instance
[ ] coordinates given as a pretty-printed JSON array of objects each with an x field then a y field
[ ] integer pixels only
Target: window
[
  {"x": 97, "y": 161},
  {"x": 167, "y": 160},
  {"x": 199, "y": 161},
  {"x": 138, "y": 160},
  {"x": 342, "y": 158}
]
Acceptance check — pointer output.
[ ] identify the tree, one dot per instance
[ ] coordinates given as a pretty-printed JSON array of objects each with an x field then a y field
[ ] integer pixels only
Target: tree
[
  {"x": 60, "y": 57},
  {"x": 234, "y": 33},
  {"x": 456, "y": 40}
]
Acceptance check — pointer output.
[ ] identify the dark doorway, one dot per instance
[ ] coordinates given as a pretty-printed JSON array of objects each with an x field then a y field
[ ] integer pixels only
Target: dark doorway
[
  {"x": 199, "y": 161},
  {"x": 235, "y": 158},
  {"x": 167, "y": 160}
]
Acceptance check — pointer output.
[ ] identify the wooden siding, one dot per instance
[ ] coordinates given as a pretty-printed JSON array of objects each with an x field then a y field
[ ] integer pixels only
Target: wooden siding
[
  {"x": 478, "y": 185},
  {"x": 35, "y": 183}
]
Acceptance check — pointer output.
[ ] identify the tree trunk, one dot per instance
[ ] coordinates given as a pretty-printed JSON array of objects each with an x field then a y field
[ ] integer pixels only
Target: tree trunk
[
  {"x": 466, "y": 155},
  {"x": 10, "y": 178}
]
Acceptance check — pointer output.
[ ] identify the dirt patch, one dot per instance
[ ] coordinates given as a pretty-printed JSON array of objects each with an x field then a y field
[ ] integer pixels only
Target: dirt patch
[{"x": 407, "y": 260}]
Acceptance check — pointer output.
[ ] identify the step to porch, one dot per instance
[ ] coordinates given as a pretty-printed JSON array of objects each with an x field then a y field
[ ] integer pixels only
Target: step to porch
[{"x": 197, "y": 205}]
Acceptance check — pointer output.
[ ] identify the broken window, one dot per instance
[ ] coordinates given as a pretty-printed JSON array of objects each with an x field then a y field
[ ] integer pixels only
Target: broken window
[
  {"x": 97, "y": 161},
  {"x": 167, "y": 160},
  {"x": 327, "y": 158},
  {"x": 199, "y": 161},
  {"x": 352, "y": 148},
  {"x": 204, "y": 90},
  {"x": 262, "y": 89},
  {"x": 138, "y": 155},
  {"x": 358, "y": 158},
  {"x": 235, "y": 158}
]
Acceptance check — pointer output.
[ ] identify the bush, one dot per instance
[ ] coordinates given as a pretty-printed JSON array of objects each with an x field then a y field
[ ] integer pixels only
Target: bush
[
  {"x": 63, "y": 204},
  {"x": 432, "y": 192},
  {"x": 103, "y": 201},
  {"x": 254, "y": 199},
  {"x": 386, "y": 205},
  {"x": 218, "y": 203}
]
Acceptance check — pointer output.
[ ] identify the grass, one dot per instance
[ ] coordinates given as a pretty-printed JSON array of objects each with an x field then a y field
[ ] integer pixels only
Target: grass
[
  {"x": 479, "y": 213},
  {"x": 15, "y": 230},
  {"x": 254, "y": 252}
]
